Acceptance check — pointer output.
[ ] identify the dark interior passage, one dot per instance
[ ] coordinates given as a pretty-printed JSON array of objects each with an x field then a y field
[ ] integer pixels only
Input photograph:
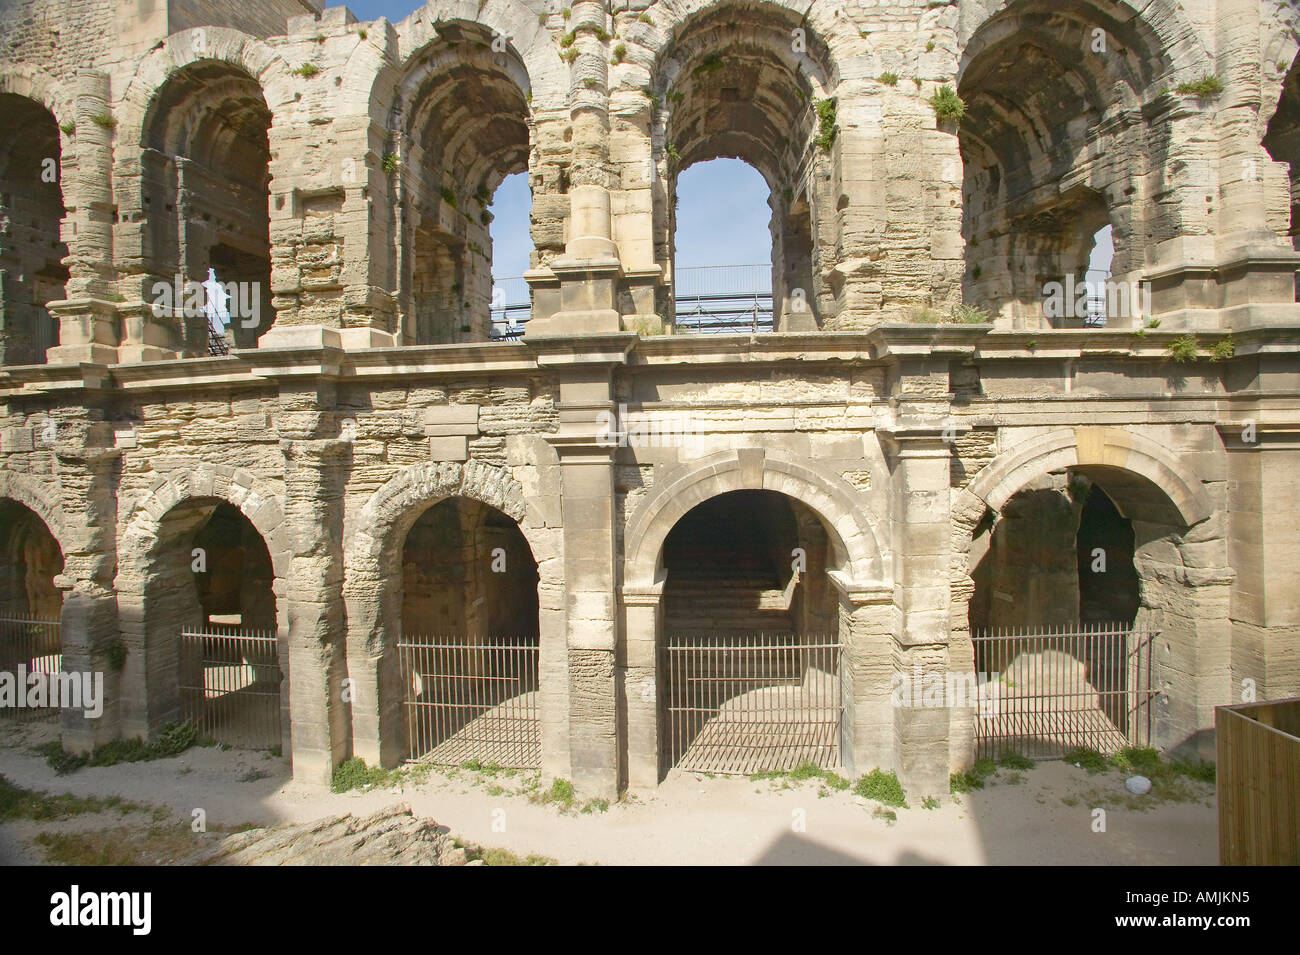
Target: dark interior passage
[
  {"x": 32, "y": 253},
  {"x": 30, "y": 558},
  {"x": 469, "y": 651}
]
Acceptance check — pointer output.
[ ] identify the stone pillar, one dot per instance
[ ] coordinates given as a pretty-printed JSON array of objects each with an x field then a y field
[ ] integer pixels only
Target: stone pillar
[
  {"x": 87, "y": 318},
  {"x": 922, "y": 544},
  {"x": 641, "y": 684},
  {"x": 90, "y": 637},
  {"x": 1264, "y": 550},
  {"x": 589, "y": 272},
  {"x": 312, "y": 618},
  {"x": 866, "y": 628},
  {"x": 590, "y": 574}
]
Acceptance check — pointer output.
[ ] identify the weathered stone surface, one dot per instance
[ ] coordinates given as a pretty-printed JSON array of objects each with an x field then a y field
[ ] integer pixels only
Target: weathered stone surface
[{"x": 392, "y": 836}]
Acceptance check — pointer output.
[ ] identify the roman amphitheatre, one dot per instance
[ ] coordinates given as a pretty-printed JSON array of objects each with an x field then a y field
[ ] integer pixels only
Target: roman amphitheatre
[{"x": 383, "y": 516}]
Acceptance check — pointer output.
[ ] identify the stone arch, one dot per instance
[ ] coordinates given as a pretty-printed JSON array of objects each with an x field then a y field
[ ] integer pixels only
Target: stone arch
[
  {"x": 1163, "y": 22},
  {"x": 728, "y": 82},
  {"x": 148, "y": 699},
  {"x": 1114, "y": 448},
  {"x": 1056, "y": 143},
  {"x": 41, "y": 498},
  {"x": 1181, "y": 559},
  {"x": 372, "y": 555},
  {"x": 193, "y": 47},
  {"x": 35, "y": 84},
  {"x": 855, "y": 545}
]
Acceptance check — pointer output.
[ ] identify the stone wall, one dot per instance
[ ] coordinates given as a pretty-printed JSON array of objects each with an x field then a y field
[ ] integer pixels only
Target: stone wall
[{"x": 905, "y": 437}]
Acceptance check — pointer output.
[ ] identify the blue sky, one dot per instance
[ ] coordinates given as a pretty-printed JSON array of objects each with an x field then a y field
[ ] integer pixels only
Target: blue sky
[{"x": 722, "y": 219}]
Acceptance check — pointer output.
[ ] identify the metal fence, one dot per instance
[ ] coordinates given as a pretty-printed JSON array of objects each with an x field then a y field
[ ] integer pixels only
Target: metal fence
[
  {"x": 230, "y": 685},
  {"x": 29, "y": 645},
  {"x": 747, "y": 704},
  {"x": 512, "y": 306},
  {"x": 722, "y": 299},
  {"x": 1045, "y": 690},
  {"x": 467, "y": 701},
  {"x": 711, "y": 299}
]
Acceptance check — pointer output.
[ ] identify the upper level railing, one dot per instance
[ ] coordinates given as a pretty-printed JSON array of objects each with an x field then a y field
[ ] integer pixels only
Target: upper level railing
[{"x": 712, "y": 299}]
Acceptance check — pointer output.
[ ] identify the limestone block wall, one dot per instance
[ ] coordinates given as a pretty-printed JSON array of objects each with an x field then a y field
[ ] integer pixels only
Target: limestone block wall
[{"x": 371, "y": 394}]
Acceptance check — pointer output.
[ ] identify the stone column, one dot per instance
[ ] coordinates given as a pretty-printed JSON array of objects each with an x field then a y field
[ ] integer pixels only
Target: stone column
[
  {"x": 641, "y": 683},
  {"x": 866, "y": 629},
  {"x": 312, "y": 618},
  {"x": 589, "y": 272},
  {"x": 922, "y": 545},
  {"x": 87, "y": 318},
  {"x": 590, "y": 573},
  {"x": 87, "y": 479},
  {"x": 1264, "y": 550}
]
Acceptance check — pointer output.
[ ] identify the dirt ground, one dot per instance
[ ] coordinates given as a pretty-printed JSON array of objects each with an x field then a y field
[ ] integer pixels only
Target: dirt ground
[{"x": 1042, "y": 816}]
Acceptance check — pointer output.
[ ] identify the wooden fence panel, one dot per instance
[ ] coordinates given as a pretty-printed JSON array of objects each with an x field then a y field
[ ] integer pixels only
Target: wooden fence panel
[{"x": 1259, "y": 783}]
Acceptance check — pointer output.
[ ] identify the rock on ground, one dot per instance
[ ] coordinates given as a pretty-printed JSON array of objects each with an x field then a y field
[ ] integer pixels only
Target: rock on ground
[{"x": 392, "y": 836}]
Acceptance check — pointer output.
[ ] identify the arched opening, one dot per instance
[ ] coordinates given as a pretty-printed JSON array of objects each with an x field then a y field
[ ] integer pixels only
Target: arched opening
[
  {"x": 460, "y": 126},
  {"x": 721, "y": 248},
  {"x": 30, "y": 604},
  {"x": 1053, "y": 144},
  {"x": 206, "y": 188},
  {"x": 750, "y": 663},
  {"x": 470, "y": 638},
  {"x": 32, "y": 253},
  {"x": 211, "y": 654},
  {"x": 1080, "y": 613},
  {"x": 730, "y": 84},
  {"x": 509, "y": 225}
]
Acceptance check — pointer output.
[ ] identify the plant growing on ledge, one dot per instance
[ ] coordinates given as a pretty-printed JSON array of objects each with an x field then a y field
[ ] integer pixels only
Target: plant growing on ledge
[
  {"x": 1224, "y": 349},
  {"x": 306, "y": 71},
  {"x": 889, "y": 79},
  {"x": 712, "y": 63},
  {"x": 948, "y": 106},
  {"x": 448, "y": 196},
  {"x": 68, "y": 128},
  {"x": 1185, "y": 348},
  {"x": 825, "y": 124},
  {"x": 104, "y": 121},
  {"x": 971, "y": 315},
  {"x": 1207, "y": 87},
  {"x": 390, "y": 162},
  {"x": 620, "y": 54}
]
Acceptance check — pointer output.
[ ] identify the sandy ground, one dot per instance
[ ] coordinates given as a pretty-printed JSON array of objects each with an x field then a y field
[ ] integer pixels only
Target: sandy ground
[{"x": 1045, "y": 819}]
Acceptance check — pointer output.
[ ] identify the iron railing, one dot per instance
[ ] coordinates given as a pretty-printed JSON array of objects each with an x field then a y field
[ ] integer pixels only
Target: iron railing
[
  {"x": 724, "y": 299},
  {"x": 470, "y": 701},
  {"x": 230, "y": 685},
  {"x": 746, "y": 704},
  {"x": 29, "y": 645},
  {"x": 711, "y": 299},
  {"x": 1046, "y": 690}
]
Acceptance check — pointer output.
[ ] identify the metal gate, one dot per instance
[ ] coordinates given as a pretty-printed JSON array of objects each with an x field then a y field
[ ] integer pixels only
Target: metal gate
[
  {"x": 749, "y": 704},
  {"x": 468, "y": 701},
  {"x": 29, "y": 645},
  {"x": 1045, "y": 690},
  {"x": 230, "y": 685}
]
